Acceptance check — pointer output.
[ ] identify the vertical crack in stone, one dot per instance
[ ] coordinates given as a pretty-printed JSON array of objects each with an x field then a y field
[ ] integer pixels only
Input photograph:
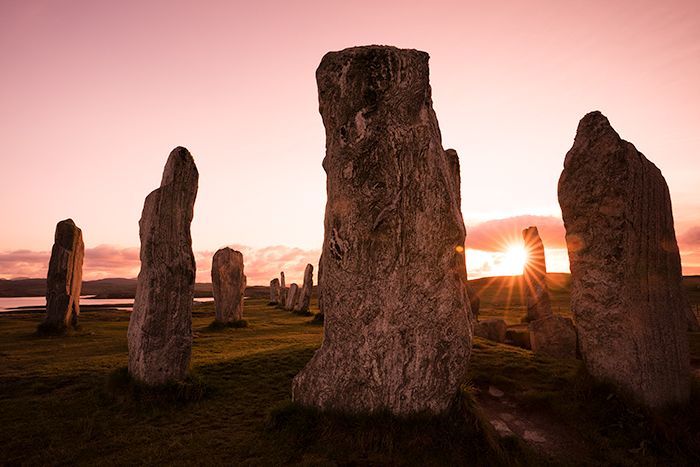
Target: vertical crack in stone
[
  {"x": 391, "y": 277},
  {"x": 627, "y": 294}
]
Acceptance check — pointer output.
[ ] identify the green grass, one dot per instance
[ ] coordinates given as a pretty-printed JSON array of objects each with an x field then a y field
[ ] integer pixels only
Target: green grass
[
  {"x": 67, "y": 400},
  {"x": 57, "y": 393},
  {"x": 504, "y": 297}
]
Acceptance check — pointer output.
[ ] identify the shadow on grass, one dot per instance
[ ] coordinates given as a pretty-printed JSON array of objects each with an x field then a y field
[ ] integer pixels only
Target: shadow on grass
[
  {"x": 220, "y": 326},
  {"x": 459, "y": 437},
  {"x": 47, "y": 329},
  {"x": 302, "y": 313},
  {"x": 125, "y": 390},
  {"x": 609, "y": 417},
  {"x": 318, "y": 319}
]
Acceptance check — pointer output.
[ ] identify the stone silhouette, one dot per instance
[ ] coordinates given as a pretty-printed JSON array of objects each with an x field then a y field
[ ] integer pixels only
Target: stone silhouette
[
  {"x": 65, "y": 276},
  {"x": 228, "y": 283},
  {"x": 491, "y": 329},
  {"x": 275, "y": 291},
  {"x": 553, "y": 335},
  {"x": 627, "y": 293},
  {"x": 160, "y": 329},
  {"x": 398, "y": 326},
  {"x": 535, "y": 276},
  {"x": 291, "y": 297},
  {"x": 283, "y": 290},
  {"x": 306, "y": 289}
]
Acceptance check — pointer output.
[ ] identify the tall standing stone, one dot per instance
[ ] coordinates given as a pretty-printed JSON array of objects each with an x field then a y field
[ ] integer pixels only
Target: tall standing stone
[
  {"x": 538, "y": 302},
  {"x": 398, "y": 327},
  {"x": 283, "y": 290},
  {"x": 65, "y": 277},
  {"x": 228, "y": 283},
  {"x": 160, "y": 329},
  {"x": 553, "y": 335},
  {"x": 291, "y": 297},
  {"x": 275, "y": 291},
  {"x": 306, "y": 289},
  {"x": 627, "y": 293}
]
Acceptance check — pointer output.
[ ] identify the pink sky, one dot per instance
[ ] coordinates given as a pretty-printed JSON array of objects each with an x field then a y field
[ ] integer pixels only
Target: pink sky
[{"x": 95, "y": 95}]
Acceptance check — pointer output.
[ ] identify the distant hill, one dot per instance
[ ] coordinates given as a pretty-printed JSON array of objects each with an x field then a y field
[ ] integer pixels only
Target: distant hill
[
  {"x": 23, "y": 288},
  {"x": 559, "y": 285},
  {"x": 102, "y": 288}
]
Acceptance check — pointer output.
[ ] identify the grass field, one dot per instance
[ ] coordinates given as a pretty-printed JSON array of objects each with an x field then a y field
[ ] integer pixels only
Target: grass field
[{"x": 59, "y": 405}]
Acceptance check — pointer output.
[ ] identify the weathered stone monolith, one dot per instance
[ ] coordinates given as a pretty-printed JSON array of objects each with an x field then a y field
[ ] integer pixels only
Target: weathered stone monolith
[
  {"x": 291, "y": 297},
  {"x": 228, "y": 283},
  {"x": 492, "y": 329},
  {"x": 553, "y": 335},
  {"x": 275, "y": 291},
  {"x": 283, "y": 290},
  {"x": 627, "y": 293},
  {"x": 65, "y": 277},
  {"x": 160, "y": 329},
  {"x": 306, "y": 289},
  {"x": 538, "y": 302},
  {"x": 398, "y": 326}
]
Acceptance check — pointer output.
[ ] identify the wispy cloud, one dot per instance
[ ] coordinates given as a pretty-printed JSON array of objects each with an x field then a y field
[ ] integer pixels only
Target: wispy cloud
[
  {"x": 24, "y": 263},
  {"x": 100, "y": 262},
  {"x": 264, "y": 264},
  {"x": 487, "y": 245},
  {"x": 690, "y": 239},
  {"x": 105, "y": 261}
]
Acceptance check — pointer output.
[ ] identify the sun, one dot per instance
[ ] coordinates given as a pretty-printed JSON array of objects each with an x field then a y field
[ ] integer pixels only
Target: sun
[{"x": 515, "y": 260}]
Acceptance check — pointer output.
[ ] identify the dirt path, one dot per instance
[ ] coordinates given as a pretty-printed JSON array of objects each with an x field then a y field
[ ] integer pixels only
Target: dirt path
[{"x": 539, "y": 429}]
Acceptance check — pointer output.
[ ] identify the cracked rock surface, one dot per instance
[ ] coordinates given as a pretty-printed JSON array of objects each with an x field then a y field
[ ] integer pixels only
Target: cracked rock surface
[
  {"x": 627, "y": 294},
  {"x": 392, "y": 275},
  {"x": 160, "y": 328}
]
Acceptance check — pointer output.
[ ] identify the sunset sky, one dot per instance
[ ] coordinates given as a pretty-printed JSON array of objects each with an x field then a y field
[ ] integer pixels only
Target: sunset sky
[{"x": 94, "y": 94}]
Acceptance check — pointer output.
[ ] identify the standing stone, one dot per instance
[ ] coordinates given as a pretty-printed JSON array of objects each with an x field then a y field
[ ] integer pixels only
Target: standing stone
[
  {"x": 228, "y": 283},
  {"x": 291, "y": 297},
  {"x": 535, "y": 276},
  {"x": 553, "y": 335},
  {"x": 306, "y": 289},
  {"x": 275, "y": 291},
  {"x": 283, "y": 290},
  {"x": 65, "y": 277},
  {"x": 398, "y": 326},
  {"x": 627, "y": 293},
  {"x": 160, "y": 329},
  {"x": 492, "y": 329}
]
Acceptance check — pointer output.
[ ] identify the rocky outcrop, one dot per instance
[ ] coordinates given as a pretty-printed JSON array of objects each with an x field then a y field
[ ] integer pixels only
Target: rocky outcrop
[
  {"x": 306, "y": 289},
  {"x": 538, "y": 302},
  {"x": 291, "y": 297},
  {"x": 398, "y": 326},
  {"x": 228, "y": 284},
  {"x": 491, "y": 329},
  {"x": 160, "y": 329},
  {"x": 275, "y": 291},
  {"x": 627, "y": 293},
  {"x": 553, "y": 335},
  {"x": 65, "y": 276}
]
